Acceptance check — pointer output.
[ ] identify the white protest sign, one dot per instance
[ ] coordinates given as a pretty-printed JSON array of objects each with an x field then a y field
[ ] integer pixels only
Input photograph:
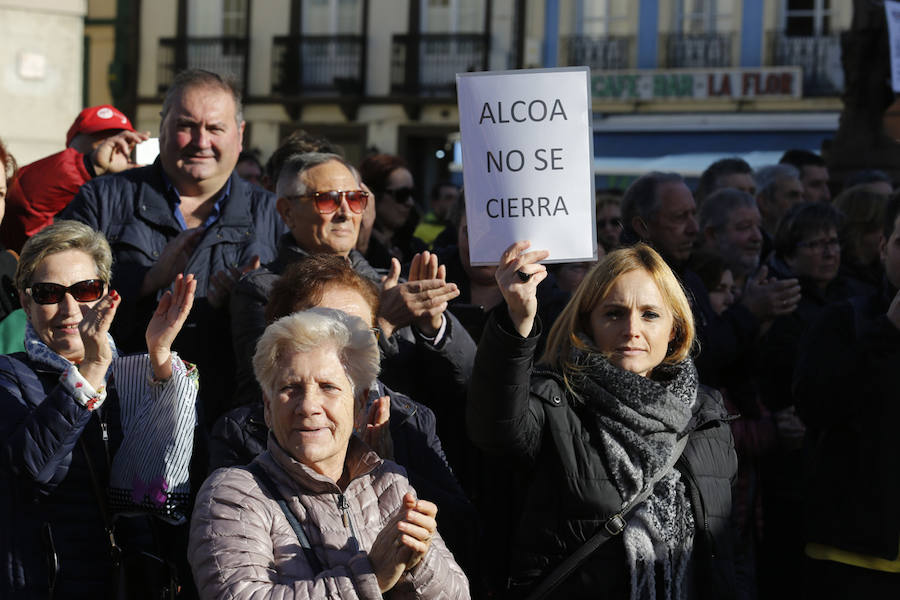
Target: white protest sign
[
  {"x": 892, "y": 12},
  {"x": 527, "y": 155}
]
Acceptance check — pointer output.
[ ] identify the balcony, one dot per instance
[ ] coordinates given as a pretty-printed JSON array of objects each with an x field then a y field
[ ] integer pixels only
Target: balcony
[
  {"x": 697, "y": 50},
  {"x": 818, "y": 56},
  {"x": 322, "y": 65},
  {"x": 226, "y": 56},
  {"x": 599, "y": 53},
  {"x": 426, "y": 64}
]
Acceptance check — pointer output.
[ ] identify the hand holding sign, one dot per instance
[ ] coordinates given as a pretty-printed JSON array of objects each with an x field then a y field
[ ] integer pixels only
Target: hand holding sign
[{"x": 518, "y": 276}]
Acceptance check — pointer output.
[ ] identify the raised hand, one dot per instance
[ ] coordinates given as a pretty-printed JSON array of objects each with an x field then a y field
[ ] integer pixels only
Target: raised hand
[
  {"x": 518, "y": 276},
  {"x": 113, "y": 155},
  {"x": 94, "y": 326},
  {"x": 167, "y": 320},
  {"x": 172, "y": 260},
  {"x": 421, "y": 302},
  {"x": 767, "y": 297},
  {"x": 222, "y": 282},
  {"x": 374, "y": 427},
  {"x": 404, "y": 541}
]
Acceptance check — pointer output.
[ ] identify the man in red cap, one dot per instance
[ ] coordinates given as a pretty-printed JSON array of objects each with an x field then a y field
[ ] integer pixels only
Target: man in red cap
[{"x": 99, "y": 141}]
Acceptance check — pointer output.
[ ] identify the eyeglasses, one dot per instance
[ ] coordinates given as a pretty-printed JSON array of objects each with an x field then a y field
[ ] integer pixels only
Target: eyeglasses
[
  {"x": 328, "y": 202},
  {"x": 615, "y": 222},
  {"x": 821, "y": 245},
  {"x": 402, "y": 195},
  {"x": 376, "y": 331},
  {"x": 54, "y": 293}
]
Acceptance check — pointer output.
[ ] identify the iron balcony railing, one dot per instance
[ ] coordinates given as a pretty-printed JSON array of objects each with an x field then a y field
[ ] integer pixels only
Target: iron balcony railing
[
  {"x": 599, "y": 53},
  {"x": 318, "y": 64},
  {"x": 226, "y": 56},
  {"x": 818, "y": 56},
  {"x": 427, "y": 63},
  {"x": 697, "y": 50}
]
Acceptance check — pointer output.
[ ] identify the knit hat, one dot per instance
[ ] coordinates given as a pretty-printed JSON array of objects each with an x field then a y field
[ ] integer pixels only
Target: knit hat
[{"x": 98, "y": 118}]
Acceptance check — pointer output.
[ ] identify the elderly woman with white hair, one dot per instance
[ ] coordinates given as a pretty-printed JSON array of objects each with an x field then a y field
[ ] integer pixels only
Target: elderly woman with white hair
[{"x": 318, "y": 514}]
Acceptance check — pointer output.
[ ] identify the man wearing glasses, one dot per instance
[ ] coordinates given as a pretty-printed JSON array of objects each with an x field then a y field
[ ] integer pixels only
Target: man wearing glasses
[
  {"x": 188, "y": 212},
  {"x": 321, "y": 201}
]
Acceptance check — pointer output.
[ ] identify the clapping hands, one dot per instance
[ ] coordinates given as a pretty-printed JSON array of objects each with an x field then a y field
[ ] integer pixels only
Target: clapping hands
[{"x": 166, "y": 323}]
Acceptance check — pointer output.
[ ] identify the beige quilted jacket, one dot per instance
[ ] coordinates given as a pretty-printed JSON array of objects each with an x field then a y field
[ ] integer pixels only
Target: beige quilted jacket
[{"x": 242, "y": 546}]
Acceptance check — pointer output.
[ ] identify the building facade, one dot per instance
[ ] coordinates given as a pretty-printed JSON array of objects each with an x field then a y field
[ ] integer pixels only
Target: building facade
[{"x": 41, "y": 84}]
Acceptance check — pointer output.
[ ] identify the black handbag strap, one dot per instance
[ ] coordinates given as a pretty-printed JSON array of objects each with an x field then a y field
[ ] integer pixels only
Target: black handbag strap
[
  {"x": 613, "y": 526},
  {"x": 257, "y": 471},
  {"x": 115, "y": 550}
]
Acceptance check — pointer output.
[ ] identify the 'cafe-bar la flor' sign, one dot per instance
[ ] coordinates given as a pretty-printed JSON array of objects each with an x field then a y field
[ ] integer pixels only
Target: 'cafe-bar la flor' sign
[{"x": 776, "y": 83}]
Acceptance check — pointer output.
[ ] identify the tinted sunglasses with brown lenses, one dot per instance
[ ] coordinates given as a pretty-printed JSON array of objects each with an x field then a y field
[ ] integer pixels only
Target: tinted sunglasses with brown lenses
[
  {"x": 328, "y": 202},
  {"x": 54, "y": 293}
]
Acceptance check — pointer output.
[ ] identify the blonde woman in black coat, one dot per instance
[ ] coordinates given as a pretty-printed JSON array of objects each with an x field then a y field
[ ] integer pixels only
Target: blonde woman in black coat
[{"x": 597, "y": 421}]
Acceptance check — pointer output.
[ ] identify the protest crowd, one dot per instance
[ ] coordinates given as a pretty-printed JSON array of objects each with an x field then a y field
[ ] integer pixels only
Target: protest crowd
[{"x": 232, "y": 378}]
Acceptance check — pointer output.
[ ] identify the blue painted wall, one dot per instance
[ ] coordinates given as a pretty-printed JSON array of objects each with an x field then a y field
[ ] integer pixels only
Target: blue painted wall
[
  {"x": 752, "y": 34},
  {"x": 551, "y": 33},
  {"x": 648, "y": 33},
  {"x": 727, "y": 142}
]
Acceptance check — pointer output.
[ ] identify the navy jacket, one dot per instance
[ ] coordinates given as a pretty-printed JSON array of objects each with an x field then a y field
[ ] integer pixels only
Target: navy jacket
[
  {"x": 45, "y": 485},
  {"x": 133, "y": 211}
]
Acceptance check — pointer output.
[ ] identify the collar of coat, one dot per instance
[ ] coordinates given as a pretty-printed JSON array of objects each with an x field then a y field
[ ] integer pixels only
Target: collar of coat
[{"x": 360, "y": 461}]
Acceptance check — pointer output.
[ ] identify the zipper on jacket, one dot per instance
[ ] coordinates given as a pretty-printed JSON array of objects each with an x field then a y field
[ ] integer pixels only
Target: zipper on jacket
[
  {"x": 344, "y": 507},
  {"x": 695, "y": 493},
  {"x": 104, "y": 433}
]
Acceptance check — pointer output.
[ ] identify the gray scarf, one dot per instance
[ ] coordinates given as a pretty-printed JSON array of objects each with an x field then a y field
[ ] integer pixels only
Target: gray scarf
[{"x": 638, "y": 420}]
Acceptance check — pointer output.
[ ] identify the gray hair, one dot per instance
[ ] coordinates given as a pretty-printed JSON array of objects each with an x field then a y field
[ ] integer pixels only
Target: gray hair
[
  {"x": 312, "y": 329},
  {"x": 768, "y": 177},
  {"x": 290, "y": 180},
  {"x": 641, "y": 199},
  {"x": 61, "y": 236},
  {"x": 718, "y": 206},
  {"x": 197, "y": 78}
]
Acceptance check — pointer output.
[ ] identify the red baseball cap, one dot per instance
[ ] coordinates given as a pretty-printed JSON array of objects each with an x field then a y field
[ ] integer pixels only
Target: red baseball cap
[{"x": 98, "y": 118}]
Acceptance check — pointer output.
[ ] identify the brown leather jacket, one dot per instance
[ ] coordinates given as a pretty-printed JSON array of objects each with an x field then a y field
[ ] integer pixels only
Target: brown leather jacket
[{"x": 242, "y": 546}]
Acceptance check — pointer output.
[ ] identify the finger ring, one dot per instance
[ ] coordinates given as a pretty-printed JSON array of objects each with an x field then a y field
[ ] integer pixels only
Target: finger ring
[{"x": 523, "y": 276}]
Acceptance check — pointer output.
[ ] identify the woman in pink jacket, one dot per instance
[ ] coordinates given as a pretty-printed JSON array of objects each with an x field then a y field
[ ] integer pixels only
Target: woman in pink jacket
[{"x": 319, "y": 514}]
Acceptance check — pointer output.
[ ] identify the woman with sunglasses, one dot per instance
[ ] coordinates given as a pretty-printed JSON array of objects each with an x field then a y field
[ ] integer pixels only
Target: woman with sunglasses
[
  {"x": 396, "y": 215},
  {"x": 63, "y": 403}
]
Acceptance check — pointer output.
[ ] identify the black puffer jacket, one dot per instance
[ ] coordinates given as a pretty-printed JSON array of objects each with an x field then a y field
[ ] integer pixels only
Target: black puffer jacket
[{"x": 528, "y": 416}]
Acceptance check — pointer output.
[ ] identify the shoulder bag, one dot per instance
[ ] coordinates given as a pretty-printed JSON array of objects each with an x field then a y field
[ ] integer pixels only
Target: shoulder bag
[{"x": 612, "y": 527}]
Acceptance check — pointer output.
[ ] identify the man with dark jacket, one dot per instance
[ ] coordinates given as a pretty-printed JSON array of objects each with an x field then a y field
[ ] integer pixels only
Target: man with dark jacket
[
  {"x": 188, "y": 212},
  {"x": 845, "y": 389}
]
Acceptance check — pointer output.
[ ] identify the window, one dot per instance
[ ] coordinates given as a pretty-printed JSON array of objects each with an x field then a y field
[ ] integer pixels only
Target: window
[
  {"x": 601, "y": 17},
  {"x": 704, "y": 16},
  {"x": 234, "y": 18},
  {"x": 807, "y": 18},
  {"x": 323, "y": 17},
  {"x": 452, "y": 16}
]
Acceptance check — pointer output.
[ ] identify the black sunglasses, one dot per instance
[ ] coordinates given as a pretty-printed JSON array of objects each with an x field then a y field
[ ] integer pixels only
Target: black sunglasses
[
  {"x": 54, "y": 293},
  {"x": 402, "y": 195},
  {"x": 328, "y": 202}
]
